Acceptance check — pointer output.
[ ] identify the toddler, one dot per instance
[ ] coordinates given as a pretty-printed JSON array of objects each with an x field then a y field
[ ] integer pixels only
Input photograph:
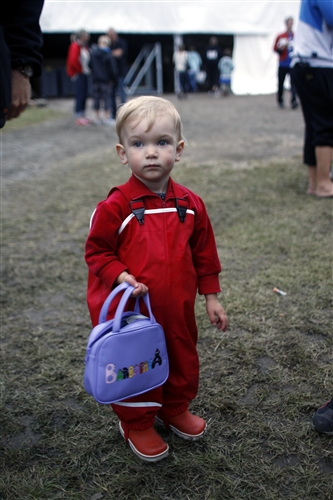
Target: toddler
[{"x": 156, "y": 235}]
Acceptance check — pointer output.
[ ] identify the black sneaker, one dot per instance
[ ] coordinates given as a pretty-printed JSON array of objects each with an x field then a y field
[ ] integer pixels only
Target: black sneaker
[{"x": 323, "y": 419}]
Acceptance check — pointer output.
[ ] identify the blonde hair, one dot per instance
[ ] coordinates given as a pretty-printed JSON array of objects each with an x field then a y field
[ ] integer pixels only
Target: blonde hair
[
  {"x": 104, "y": 41},
  {"x": 148, "y": 107}
]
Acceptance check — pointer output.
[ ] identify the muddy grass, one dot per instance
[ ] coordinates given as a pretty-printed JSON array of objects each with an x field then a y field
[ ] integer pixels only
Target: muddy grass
[{"x": 261, "y": 381}]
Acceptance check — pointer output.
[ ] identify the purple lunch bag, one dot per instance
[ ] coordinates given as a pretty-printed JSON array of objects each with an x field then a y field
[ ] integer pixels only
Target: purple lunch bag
[{"x": 127, "y": 355}]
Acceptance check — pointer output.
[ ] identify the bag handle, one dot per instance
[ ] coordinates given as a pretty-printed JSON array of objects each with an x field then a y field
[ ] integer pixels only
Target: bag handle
[
  {"x": 105, "y": 308},
  {"x": 128, "y": 291},
  {"x": 121, "y": 307}
]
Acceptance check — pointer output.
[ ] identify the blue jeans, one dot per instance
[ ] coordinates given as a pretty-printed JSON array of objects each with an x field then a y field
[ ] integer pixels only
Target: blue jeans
[
  {"x": 183, "y": 81},
  {"x": 282, "y": 73},
  {"x": 81, "y": 93},
  {"x": 192, "y": 81},
  {"x": 118, "y": 88}
]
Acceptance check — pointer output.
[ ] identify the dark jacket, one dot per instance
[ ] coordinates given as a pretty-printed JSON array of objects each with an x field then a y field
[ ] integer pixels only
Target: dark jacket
[
  {"x": 213, "y": 54},
  {"x": 102, "y": 65},
  {"x": 20, "y": 44},
  {"x": 121, "y": 62}
]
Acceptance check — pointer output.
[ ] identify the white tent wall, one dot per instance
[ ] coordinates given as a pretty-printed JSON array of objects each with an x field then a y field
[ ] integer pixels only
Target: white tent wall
[
  {"x": 254, "y": 25},
  {"x": 255, "y": 65}
]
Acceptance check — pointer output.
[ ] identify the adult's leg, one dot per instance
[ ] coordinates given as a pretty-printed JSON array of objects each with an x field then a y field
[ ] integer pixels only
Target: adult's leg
[
  {"x": 182, "y": 81},
  {"x": 324, "y": 186},
  {"x": 294, "y": 103},
  {"x": 78, "y": 97},
  {"x": 106, "y": 97},
  {"x": 210, "y": 77},
  {"x": 96, "y": 98},
  {"x": 309, "y": 155},
  {"x": 81, "y": 94},
  {"x": 317, "y": 117},
  {"x": 113, "y": 103},
  {"x": 281, "y": 77},
  {"x": 312, "y": 174},
  {"x": 121, "y": 90},
  {"x": 192, "y": 81}
]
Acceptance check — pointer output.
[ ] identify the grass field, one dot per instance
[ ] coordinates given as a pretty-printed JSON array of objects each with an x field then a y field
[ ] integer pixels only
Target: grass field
[
  {"x": 31, "y": 116},
  {"x": 261, "y": 381}
]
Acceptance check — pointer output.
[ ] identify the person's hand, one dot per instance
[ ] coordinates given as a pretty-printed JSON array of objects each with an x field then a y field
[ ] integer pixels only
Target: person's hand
[
  {"x": 216, "y": 313},
  {"x": 117, "y": 52},
  {"x": 21, "y": 91},
  {"x": 140, "y": 288}
]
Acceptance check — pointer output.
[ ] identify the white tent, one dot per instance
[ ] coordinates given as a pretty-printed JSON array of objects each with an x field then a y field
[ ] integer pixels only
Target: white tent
[{"x": 254, "y": 25}]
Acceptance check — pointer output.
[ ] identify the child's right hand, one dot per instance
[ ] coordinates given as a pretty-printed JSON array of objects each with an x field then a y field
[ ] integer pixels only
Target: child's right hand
[{"x": 140, "y": 288}]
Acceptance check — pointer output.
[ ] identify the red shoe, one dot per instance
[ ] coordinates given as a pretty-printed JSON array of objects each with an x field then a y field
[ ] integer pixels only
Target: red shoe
[
  {"x": 147, "y": 444},
  {"x": 82, "y": 122},
  {"x": 185, "y": 425}
]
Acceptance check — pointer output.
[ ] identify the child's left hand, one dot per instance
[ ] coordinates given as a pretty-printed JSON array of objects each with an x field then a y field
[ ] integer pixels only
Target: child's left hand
[{"x": 216, "y": 312}]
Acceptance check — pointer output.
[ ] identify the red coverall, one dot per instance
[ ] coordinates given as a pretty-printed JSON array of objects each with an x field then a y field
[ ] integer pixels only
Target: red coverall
[{"x": 174, "y": 259}]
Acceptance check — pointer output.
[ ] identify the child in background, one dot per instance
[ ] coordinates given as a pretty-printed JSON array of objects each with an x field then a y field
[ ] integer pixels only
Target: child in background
[
  {"x": 103, "y": 73},
  {"x": 77, "y": 67},
  {"x": 226, "y": 67},
  {"x": 156, "y": 235},
  {"x": 194, "y": 62},
  {"x": 180, "y": 59}
]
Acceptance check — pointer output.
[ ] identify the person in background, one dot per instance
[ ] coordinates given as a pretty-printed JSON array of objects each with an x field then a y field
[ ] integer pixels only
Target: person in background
[
  {"x": 284, "y": 46},
  {"x": 226, "y": 67},
  {"x": 119, "y": 52},
  {"x": 104, "y": 74},
  {"x": 213, "y": 54},
  {"x": 312, "y": 72},
  {"x": 77, "y": 66},
  {"x": 180, "y": 59},
  {"x": 20, "y": 57},
  {"x": 194, "y": 62}
]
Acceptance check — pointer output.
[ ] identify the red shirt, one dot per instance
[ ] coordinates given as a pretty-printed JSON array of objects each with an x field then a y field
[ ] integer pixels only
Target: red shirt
[
  {"x": 73, "y": 64},
  {"x": 282, "y": 51}
]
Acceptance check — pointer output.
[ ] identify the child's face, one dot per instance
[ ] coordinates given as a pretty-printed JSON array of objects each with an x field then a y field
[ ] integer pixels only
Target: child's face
[{"x": 151, "y": 155}]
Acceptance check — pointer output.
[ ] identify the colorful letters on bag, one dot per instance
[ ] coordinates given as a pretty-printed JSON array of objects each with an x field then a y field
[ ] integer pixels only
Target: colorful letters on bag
[{"x": 112, "y": 376}]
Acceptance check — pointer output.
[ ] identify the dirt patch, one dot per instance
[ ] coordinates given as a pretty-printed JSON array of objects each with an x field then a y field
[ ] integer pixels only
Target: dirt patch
[{"x": 237, "y": 132}]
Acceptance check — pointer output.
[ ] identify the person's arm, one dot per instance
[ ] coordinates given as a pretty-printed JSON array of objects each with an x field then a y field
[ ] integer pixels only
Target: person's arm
[
  {"x": 204, "y": 253},
  {"x": 140, "y": 288},
  {"x": 207, "y": 265},
  {"x": 22, "y": 33},
  {"x": 326, "y": 8},
  {"x": 215, "y": 311},
  {"x": 21, "y": 91},
  {"x": 101, "y": 248},
  {"x": 101, "y": 245},
  {"x": 276, "y": 47},
  {"x": 22, "y": 39},
  {"x": 73, "y": 63}
]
